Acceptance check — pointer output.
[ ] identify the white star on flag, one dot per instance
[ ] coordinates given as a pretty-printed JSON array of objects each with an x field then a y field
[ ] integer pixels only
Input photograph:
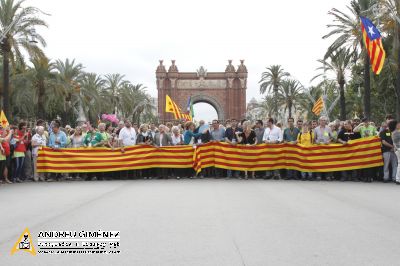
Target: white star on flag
[{"x": 371, "y": 31}]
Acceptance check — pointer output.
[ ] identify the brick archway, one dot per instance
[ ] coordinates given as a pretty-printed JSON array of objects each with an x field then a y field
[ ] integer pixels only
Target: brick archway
[
  {"x": 201, "y": 98},
  {"x": 225, "y": 91}
]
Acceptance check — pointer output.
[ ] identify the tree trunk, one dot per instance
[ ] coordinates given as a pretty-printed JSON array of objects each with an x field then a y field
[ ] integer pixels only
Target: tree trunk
[
  {"x": 6, "y": 78},
  {"x": 367, "y": 87},
  {"x": 342, "y": 101},
  {"x": 290, "y": 110},
  {"x": 276, "y": 102},
  {"x": 41, "y": 100}
]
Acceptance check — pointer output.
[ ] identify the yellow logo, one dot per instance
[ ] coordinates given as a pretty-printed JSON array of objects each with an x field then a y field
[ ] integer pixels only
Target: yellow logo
[{"x": 24, "y": 243}]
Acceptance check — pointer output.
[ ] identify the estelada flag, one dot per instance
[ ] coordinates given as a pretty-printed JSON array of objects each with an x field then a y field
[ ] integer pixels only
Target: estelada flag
[
  {"x": 318, "y": 106},
  {"x": 171, "y": 107},
  {"x": 373, "y": 43},
  {"x": 3, "y": 119}
]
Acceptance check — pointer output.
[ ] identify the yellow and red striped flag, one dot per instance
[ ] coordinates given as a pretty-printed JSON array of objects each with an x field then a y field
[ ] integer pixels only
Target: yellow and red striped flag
[
  {"x": 172, "y": 107},
  {"x": 318, "y": 106},
  {"x": 373, "y": 43}
]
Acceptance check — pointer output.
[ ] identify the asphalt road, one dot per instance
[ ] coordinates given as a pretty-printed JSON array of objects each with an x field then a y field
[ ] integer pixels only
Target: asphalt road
[{"x": 210, "y": 222}]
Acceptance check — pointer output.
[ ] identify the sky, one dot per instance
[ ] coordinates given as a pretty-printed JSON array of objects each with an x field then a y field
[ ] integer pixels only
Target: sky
[{"x": 129, "y": 37}]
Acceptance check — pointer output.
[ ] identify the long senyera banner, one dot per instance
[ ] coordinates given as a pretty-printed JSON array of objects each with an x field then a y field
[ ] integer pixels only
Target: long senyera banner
[{"x": 357, "y": 154}]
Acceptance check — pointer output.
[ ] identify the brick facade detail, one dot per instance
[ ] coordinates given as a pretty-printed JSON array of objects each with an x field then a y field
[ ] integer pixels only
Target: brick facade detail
[{"x": 225, "y": 91}]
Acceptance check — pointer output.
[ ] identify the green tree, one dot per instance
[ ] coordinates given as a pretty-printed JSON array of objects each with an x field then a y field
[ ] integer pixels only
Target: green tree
[
  {"x": 390, "y": 19},
  {"x": 113, "y": 84},
  {"x": 42, "y": 76},
  {"x": 134, "y": 102},
  {"x": 338, "y": 63},
  {"x": 17, "y": 23},
  {"x": 93, "y": 101},
  {"x": 348, "y": 31},
  {"x": 289, "y": 95},
  {"x": 70, "y": 75},
  {"x": 271, "y": 81}
]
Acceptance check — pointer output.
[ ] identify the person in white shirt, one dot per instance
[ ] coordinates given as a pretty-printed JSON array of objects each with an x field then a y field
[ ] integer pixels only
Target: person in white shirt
[
  {"x": 127, "y": 135},
  {"x": 176, "y": 136},
  {"x": 272, "y": 135},
  {"x": 38, "y": 140}
]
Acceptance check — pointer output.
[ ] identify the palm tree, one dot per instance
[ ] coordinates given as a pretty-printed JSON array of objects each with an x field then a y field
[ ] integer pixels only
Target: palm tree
[
  {"x": 347, "y": 28},
  {"x": 390, "y": 18},
  {"x": 113, "y": 84},
  {"x": 17, "y": 27},
  {"x": 271, "y": 81},
  {"x": 70, "y": 75},
  {"x": 268, "y": 106},
  {"x": 93, "y": 101},
  {"x": 42, "y": 76},
  {"x": 134, "y": 102},
  {"x": 339, "y": 62},
  {"x": 307, "y": 100},
  {"x": 290, "y": 94}
]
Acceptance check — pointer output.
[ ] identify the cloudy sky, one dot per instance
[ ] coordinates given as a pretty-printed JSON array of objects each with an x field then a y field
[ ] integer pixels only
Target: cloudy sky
[{"x": 129, "y": 37}]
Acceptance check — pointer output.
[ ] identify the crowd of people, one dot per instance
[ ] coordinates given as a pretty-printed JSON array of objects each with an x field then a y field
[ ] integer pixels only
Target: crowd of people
[{"x": 20, "y": 146}]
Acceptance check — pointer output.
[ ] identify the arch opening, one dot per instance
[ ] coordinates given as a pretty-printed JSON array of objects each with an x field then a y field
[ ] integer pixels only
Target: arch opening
[
  {"x": 209, "y": 105},
  {"x": 204, "y": 111}
]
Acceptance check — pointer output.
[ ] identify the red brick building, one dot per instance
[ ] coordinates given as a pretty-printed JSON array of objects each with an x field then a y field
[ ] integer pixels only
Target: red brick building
[{"x": 225, "y": 91}]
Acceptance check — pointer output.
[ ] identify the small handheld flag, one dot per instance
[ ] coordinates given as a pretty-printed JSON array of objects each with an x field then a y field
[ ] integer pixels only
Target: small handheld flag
[
  {"x": 3, "y": 119},
  {"x": 318, "y": 106},
  {"x": 190, "y": 108},
  {"x": 373, "y": 43}
]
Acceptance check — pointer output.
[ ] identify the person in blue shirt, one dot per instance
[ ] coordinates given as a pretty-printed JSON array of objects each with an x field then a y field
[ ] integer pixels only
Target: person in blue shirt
[
  {"x": 188, "y": 137},
  {"x": 57, "y": 138}
]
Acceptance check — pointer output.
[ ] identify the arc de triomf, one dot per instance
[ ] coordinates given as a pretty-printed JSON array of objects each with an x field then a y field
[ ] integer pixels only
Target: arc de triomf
[{"x": 225, "y": 91}]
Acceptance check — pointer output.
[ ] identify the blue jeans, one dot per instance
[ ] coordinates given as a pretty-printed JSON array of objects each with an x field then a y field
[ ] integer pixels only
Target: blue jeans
[{"x": 19, "y": 163}]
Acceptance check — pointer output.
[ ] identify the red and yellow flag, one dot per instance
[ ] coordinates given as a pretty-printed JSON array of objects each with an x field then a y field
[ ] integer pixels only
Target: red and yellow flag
[
  {"x": 172, "y": 107},
  {"x": 357, "y": 154},
  {"x": 3, "y": 119},
  {"x": 373, "y": 43},
  {"x": 318, "y": 106}
]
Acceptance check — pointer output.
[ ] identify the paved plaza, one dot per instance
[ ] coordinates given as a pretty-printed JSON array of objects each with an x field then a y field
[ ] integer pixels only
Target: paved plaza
[{"x": 210, "y": 222}]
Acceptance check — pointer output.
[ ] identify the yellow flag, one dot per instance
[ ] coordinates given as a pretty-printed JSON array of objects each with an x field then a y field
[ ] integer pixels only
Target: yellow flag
[
  {"x": 3, "y": 119},
  {"x": 24, "y": 243},
  {"x": 172, "y": 107}
]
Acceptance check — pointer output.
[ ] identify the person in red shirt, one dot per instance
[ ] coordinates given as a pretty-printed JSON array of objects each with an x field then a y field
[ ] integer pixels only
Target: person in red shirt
[
  {"x": 21, "y": 139},
  {"x": 5, "y": 136}
]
